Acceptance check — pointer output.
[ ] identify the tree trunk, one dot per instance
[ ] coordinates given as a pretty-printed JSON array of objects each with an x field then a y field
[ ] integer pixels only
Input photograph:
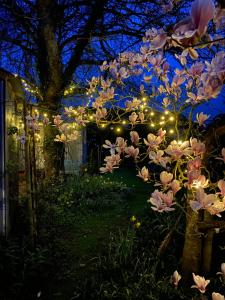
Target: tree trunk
[
  {"x": 207, "y": 246},
  {"x": 53, "y": 153},
  {"x": 191, "y": 259}
]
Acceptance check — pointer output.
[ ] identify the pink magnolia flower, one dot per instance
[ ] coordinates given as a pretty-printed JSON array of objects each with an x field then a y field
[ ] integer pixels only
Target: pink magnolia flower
[
  {"x": 196, "y": 69},
  {"x": 166, "y": 177},
  {"x": 175, "y": 186},
  {"x": 80, "y": 121},
  {"x": 166, "y": 102},
  {"x": 222, "y": 268},
  {"x": 57, "y": 120},
  {"x": 176, "y": 278},
  {"x": 201, "y": 181},
  {"x": 60, "y": 138},
  {"x": 109, "y": 145},
  {"x": 201, "y": 118},
  {"x": 217, "y": 296},
  {"x": 107, "y": 168},
  {"x": 101, "y": 113},
  {"x": 158, "y": 158},
  {"x": 112, "y": 162},
  {"x": 197, "y": 147},
  {"x": 105, "y": 84},
  {"x": 176, "y": 150},
  {"x": 212, "y": 86},
  {"x": 159, "y": 41},
  {"x": 195, "y": 99},
  {"x": 130, "y": 105},
  {"x": 194, "y": 164},
  {"x": 177, "y": 81},
  {"x": 202, "y": 200},
  {"x": 162, "y": 202},
  {"x": 152, "y": 141},
  {"x": 221, "y": 186},
  {"x": 141, "y": 116},
  {"x": 134, "y": 136},
  {"x": 216, "y": 208},
  {"x": 161, "y": 133},
  {"x": 193, "y": 175},
  {"x": 121, "y": 144},
  {"x": 114, "y": 159},
  {"x": 132, "y": 152},
  {"x": 200, "y": 283},
  {"x": 133, "y": 118},
  {"x": 217, "y": 66},
  {"x": 69, "y": 111},
  {"x": 202, "y": 11},
  {"x": 144, "y": 174}
]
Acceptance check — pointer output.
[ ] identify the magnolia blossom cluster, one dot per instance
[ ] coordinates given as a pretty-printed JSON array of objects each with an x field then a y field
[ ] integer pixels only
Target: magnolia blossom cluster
[
  {"x": 33, "y": 124},
  {"x": 69, "y": 124},
  {"x": 183, "y": 159},
  {"x": 193, "y": 84},
  {"x": 200, "y": 282}
]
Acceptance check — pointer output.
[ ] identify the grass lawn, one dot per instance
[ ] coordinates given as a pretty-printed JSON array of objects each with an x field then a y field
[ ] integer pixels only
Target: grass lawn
[{"x": 88, "y": 237}]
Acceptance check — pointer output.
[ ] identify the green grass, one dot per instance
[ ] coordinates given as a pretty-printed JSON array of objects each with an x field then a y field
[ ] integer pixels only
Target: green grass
[{"x": 88, "y": 238}]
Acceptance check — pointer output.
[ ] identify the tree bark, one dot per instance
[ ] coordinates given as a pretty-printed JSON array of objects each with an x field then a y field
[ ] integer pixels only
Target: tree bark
[
  {"x": 53, "y": 153},
  {"x": 191, "y": 258},
  {"x": 207, "y": 246}
]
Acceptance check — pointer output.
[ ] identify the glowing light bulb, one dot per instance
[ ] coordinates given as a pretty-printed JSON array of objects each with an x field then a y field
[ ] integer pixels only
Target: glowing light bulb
[
  {"x": 171, "y": 118},
  {"x": 144, "y": 98},
  {"x": 162, "y": 122},
  {"x": 103, "y": 125},
  {"x": 152, "y": 113},
  {"x": 45, "y": 115},
  {"x": 123, "y": 122},
  {"x": 171, "y": 131},
  {"x": 152, "y": 125},
  {"x": 118, "y": 129},
  {"x": 180, "y": 142},
  {"x": 91, "y": 117},
  {"x": 162, "y": 118},
  {"x": 166, "y": 112}
]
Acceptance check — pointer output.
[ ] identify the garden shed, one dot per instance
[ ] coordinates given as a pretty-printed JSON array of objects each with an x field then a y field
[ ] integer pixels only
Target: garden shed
[
  {"x": 11, "y": 94},
  {"x": 15, "y": 159}
]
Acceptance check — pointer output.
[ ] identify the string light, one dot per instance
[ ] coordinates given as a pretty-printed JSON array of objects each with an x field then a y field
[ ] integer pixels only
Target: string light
[
  {"x": 152, "y": 113},
  {"x": 162, "y": 118},
  {"x": 171, "y": 131},
  {"x": 171, "y": 118},
  {"x": 162, "y": 122},
  {"x": 166, "y": 112},
  {"x": 118, "y": 129},
  {"x": 152, "y": 125},
  {"x": 124, "y": 122}
]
